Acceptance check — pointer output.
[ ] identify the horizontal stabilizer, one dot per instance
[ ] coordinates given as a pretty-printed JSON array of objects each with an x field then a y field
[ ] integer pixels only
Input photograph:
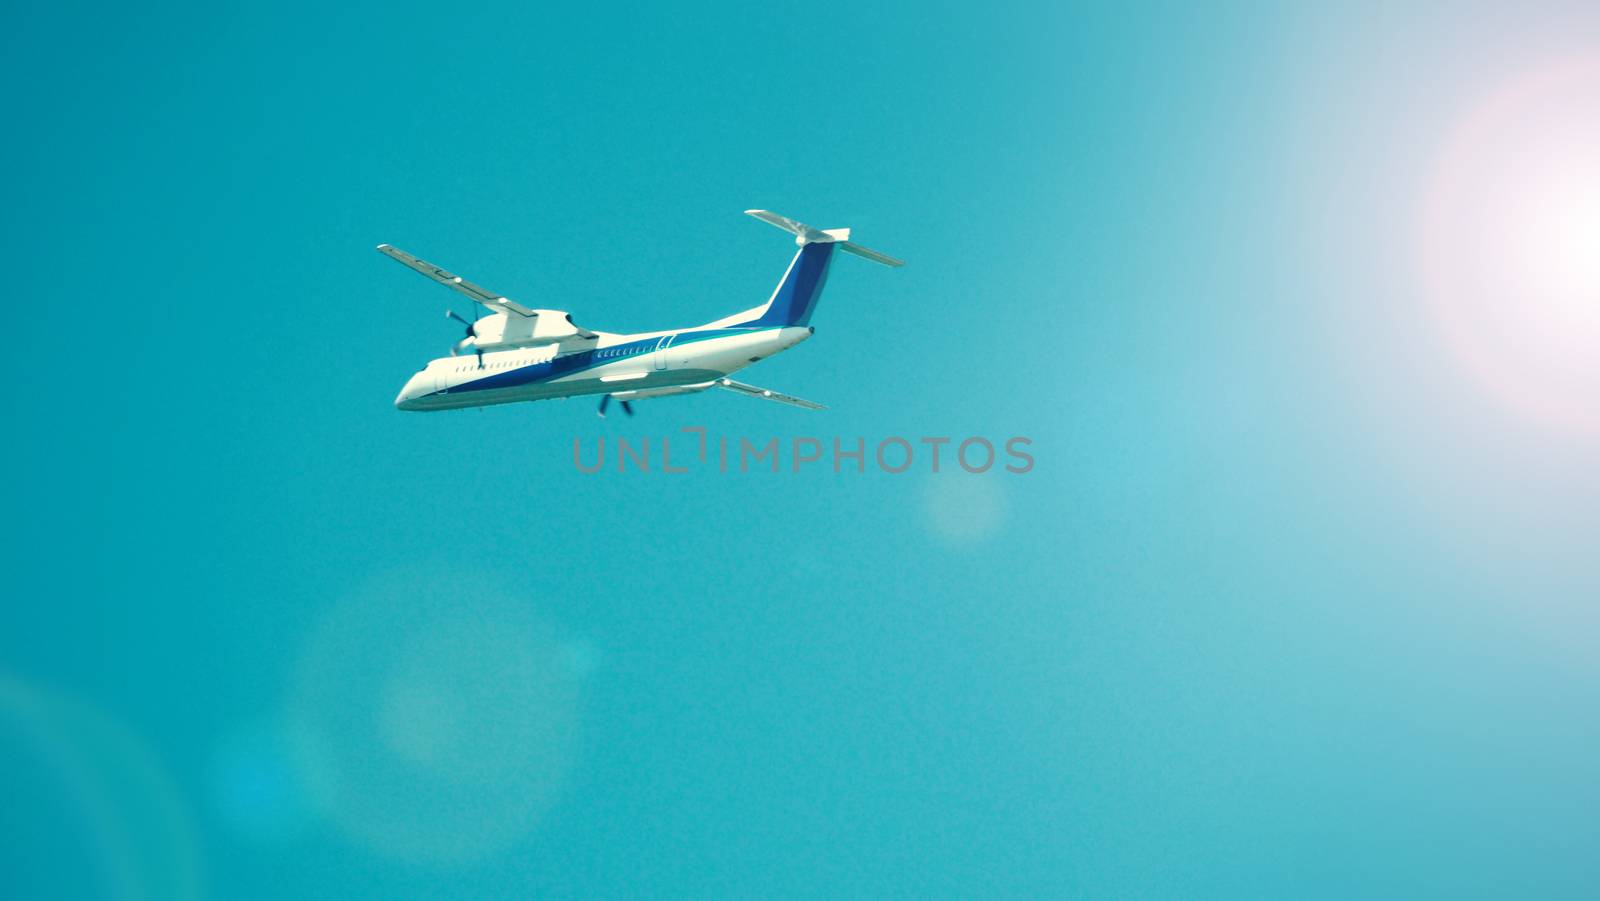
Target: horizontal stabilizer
[
  {"x": 805, "y": 234},
  {"x": 764, "y": 394},
  {"x": 869, "y": 253}
]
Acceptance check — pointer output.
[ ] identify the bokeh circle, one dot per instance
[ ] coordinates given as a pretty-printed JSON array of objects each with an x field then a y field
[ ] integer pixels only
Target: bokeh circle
[{"x": 434, "y": 721}]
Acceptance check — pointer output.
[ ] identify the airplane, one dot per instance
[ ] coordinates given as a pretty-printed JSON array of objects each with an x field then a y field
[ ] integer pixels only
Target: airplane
[{"x": 521, "y": 354}]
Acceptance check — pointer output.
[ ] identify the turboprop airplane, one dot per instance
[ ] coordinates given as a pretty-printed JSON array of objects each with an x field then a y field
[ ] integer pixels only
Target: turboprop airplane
[{"x": 518, "y": 353}]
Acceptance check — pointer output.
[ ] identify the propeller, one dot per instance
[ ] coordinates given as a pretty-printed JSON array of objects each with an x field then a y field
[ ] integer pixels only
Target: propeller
[
  {"x": 464, "y": 343},
  {"x": 605, "y": 401}
]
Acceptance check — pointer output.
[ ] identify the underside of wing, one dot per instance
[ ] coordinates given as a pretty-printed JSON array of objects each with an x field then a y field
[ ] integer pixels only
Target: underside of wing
[
  {"x": 765, "y": 394},
  {"x": 490, "y": 299}
]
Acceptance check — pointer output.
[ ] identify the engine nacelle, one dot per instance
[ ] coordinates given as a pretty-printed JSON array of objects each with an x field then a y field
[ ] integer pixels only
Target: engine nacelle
[
  {"x": 505, "y": 330},
  {"x": 553, "y": 325}
]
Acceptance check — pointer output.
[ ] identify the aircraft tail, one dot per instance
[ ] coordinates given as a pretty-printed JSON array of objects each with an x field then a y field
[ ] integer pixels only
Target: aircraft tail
[{"x": 796, "y": 295}]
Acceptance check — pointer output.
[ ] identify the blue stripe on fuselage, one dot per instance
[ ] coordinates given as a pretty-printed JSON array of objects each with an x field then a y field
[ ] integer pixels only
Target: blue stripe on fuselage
[{"x": 550, "y": 370}]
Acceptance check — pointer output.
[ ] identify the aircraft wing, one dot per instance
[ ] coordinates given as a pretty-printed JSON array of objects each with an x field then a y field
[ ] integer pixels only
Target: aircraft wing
[
  {"x": 484, "y": 296},
  {"x": 764, "y": 394}
]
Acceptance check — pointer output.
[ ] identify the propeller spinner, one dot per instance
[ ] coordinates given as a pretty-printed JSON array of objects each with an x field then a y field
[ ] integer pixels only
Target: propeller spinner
[{"x": 469, "y": 340}]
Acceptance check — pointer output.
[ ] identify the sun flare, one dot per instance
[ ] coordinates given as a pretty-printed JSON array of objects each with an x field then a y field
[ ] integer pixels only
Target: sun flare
[{"x": 1511, "y": 244}]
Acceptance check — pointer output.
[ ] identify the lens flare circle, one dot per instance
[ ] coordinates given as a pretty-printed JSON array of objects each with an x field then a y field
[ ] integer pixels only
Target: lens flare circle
[
  {"x": 434, "y": 722},
  {"x": 254, "y": 786},
  {"x": 962, "y": 508},
  {"x": 89, "y": 808},
  {"x": 1511, "y": 244}
]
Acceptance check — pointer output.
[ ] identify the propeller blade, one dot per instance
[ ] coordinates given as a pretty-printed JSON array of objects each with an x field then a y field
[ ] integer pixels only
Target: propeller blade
[
  {"x": 605, "y": 400},
  {"x": 627, "y": 408},
  {"x": 463, "y": 344},
  {"x": 451, "y": 314}
]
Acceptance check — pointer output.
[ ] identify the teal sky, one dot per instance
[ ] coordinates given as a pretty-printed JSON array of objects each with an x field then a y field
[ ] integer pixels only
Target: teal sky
[{"x": 1290, "y": 605}]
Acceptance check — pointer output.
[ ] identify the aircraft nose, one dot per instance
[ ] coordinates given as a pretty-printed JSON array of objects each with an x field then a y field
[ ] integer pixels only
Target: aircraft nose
[{"x": 407, "y": 399}]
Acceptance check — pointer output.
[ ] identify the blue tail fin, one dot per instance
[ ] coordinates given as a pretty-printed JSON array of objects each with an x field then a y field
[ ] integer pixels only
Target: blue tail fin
[{"x": 797, "y": 294}]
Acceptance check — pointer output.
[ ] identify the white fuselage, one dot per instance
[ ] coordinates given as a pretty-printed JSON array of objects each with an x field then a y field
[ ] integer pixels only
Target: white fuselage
[{"x": 624, "y": 366}]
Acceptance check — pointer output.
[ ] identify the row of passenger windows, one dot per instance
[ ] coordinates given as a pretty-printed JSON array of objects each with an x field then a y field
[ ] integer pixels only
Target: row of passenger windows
[
  {"x": 606, "y": 354},
  {"x": 507, "y": 364}
]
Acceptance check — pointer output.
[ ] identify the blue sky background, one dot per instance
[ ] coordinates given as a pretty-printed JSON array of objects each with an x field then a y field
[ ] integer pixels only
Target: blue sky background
[{"x": 1287, "y": 608}]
